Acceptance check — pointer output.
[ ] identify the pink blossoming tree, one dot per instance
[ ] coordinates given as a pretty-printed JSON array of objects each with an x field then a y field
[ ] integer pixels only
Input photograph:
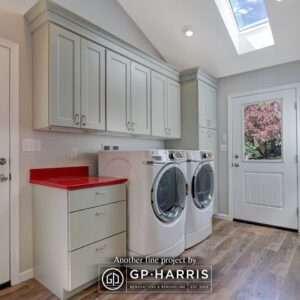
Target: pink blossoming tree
[{"x": 263, "y": 129}]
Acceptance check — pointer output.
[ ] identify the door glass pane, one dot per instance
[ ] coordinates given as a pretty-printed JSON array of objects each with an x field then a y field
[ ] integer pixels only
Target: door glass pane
[
  {"x": 170, "y": 194},
  {"x": 263, "y": 131},
  {"x": 203, "y": 186}
]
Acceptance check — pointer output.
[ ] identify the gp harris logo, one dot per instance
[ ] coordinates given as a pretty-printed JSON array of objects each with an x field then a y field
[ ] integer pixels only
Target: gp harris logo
[{"x": 149, "y": 278}]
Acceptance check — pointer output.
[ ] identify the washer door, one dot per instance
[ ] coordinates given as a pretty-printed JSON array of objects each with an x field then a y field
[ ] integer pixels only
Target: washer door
[
  {"x": 169, "y": 193},
  {"x": 203, "y": 185}
]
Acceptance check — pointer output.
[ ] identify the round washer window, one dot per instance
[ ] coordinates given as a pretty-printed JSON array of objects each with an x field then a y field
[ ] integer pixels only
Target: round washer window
[
  {"x": 203, "y": 185},
  {"x": 169, "y": 193}
]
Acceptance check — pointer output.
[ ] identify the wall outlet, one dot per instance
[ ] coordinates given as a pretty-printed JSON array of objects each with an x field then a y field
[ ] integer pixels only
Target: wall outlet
[
  {"x": 223, "y": 147},
  {"x": 74, "y": 153},
  {"x": 116, "y": 147},
  {"x": 105, "y": 147},
  {"x": 31, "y": 145}
]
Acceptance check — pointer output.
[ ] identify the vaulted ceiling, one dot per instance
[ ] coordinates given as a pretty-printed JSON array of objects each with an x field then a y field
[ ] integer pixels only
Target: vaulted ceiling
[{"x": 211, "y": 47}]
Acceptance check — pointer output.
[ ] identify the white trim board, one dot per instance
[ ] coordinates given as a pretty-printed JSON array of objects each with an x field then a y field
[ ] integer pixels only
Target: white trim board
[
  {"x": 25, "y": 275},
  {"x": 14, "y": 160},
  {"x": 230, "y": 99},
  {"x": 221, "y": 217}
]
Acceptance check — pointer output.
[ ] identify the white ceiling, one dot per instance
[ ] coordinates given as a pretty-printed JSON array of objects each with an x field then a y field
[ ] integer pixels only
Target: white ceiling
[{"x": 211, "y": 47}]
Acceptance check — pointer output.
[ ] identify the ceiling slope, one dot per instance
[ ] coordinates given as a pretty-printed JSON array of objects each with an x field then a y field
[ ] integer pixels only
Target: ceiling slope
[{"x": 211, "y": 47}]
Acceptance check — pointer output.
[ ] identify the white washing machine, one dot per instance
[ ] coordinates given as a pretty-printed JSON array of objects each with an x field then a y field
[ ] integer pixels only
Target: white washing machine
[
  {"x": 200, "y": 176},
  {"x": 157, "y": 192}
]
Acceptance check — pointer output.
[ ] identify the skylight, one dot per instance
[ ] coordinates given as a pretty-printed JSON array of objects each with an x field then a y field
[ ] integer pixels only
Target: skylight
[
  {"x": 247, "y": 23},
  {"x": 249, "y": 13}
]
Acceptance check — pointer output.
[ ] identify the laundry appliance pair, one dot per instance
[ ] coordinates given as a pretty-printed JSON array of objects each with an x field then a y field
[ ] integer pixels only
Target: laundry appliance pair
[{"x": 170, "y": 195}]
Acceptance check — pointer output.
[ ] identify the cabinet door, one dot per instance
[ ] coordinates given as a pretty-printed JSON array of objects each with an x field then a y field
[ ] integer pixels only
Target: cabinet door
[
  {"x": 92, "y": 85},
  {"x": 206, "y": 105},
  {"x": 174, "y": 109},
  {"x": 159, "y": 104},
  {"x": 118, "y": 93},
  {"x": 64, "y": 64},
  {"x": 140, "y": 99},
  {"x": 211, "y": 107}
]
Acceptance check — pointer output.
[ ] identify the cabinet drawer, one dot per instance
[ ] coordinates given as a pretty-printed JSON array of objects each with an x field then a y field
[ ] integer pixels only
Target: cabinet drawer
[
  {"x": 94, "y": 224},
  {"x": 84, "y": 262},
  {"x": 91, "y": 197}
]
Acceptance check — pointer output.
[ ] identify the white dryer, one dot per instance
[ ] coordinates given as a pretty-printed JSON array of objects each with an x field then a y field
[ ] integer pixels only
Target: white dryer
[
  {"x": 200, "y": 176},
  {"x": 157, "y": 192}
]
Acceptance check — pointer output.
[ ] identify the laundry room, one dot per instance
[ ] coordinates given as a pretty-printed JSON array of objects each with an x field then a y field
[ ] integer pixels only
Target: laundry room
[{"x": 149, "y": 149}]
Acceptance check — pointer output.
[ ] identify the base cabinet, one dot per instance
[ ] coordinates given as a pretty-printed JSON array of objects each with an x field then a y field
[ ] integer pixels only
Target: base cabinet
[{"x": 75, "y": 232}]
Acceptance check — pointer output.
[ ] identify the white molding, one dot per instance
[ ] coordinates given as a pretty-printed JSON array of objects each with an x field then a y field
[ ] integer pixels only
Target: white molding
[
  {"x": 25, "y": 275},
  {"x": 198, "y": 74},
  {"x": 230, "y": 100},
  {"x": 222, "y": 217},
  {"x": 14, "y": 160}
]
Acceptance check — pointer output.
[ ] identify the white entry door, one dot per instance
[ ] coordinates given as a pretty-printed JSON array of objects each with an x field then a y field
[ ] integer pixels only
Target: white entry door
[
  {"x": 4, "y": 164},
  {"x": 265, "y": 158}
]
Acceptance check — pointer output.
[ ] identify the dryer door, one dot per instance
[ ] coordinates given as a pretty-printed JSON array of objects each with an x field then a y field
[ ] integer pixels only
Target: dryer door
[
  {"x": 169, "y": 193},
  {"x": 203, "y": 185}
]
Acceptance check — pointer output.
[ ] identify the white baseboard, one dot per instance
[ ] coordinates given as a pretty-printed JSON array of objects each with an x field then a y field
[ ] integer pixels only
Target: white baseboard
[
  {"x": 25, "y": 275},
  {"x": 222, "y": 217}
]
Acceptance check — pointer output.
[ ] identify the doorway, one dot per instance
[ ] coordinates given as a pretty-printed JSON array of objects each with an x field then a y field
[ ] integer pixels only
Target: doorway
[
  {"x": 263, "y": 155},
  {"x": 9, "y": 162}
]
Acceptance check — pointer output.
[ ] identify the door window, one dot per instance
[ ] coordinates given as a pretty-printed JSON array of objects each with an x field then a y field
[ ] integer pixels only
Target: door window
[
  {"x": 203, "y": 186},
  {"x": 263, "y": 131},
  {"x": 169, "y": 194}
]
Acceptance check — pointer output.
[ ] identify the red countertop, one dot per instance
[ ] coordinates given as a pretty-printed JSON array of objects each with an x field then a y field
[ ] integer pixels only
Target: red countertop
[{"x": 70, "y": 178}]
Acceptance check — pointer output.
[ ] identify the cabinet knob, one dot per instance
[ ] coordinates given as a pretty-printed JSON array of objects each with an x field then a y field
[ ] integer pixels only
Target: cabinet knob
[
  {"x": 3, "y": 178},
  {"x": 133, "y": 126},
  {"x": 100, "y": 193},
  {"x": 100, "y": 213},
  {"x": 83, "y": 120},
  {"x": 3, "y": 161},
  {"x": 77, "y": 120},
  {"x": 128, "y": 126}
]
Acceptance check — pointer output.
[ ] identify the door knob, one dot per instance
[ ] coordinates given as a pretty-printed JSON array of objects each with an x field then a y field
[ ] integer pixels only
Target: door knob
[
  {"x": 236, "y": 165},
  {"x": 3, "y": 178},
  {"x": 2, "y": 161}
]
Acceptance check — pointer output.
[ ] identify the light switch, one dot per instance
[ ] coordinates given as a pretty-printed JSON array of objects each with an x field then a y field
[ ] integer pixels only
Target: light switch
[{"x": 31, "y": 145}]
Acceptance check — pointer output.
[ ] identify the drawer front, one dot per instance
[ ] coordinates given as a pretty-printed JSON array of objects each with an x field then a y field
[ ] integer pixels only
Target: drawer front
[
  {"x": 94, "y": 224},
  {"x": 91, "y": 197},
  {"x": 84, "y": 262}
]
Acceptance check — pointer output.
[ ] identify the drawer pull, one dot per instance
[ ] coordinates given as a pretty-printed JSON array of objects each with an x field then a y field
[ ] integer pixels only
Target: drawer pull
[
  {"x": 101, "y": 213},
  {"x": 101, "y": 248},
  {"x": 100, "y": 193}
]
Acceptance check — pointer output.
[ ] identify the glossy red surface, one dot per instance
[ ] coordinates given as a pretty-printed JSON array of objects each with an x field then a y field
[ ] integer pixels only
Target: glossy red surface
[{"x": 70, "y": 178}]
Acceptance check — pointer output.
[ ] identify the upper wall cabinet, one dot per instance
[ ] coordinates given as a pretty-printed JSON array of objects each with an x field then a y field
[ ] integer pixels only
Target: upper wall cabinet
[
  {"x": 140, "y": 99},
  {"x": 64, "y": 78},
  {"x": 70, "y": 92},
  {"x": 207, "y": 105},
  {"x": 118, "y": 92},
  {"x": 86, "y": 79},
  {"x": 165, "y": 96},
  {"x": 92, "y": 85},
  {"x": 128, "y": 95}
]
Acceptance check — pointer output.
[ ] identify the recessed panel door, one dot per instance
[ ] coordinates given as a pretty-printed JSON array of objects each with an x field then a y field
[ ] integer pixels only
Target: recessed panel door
[
  {"x": 4, "y": 165},
  {"x": 264, "y": 158}
]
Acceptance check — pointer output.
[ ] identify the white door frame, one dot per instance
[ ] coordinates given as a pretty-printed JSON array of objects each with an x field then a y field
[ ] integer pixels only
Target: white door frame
[
  {"x": 230, "y": 100},
  {"x": 14, "y": 159}
]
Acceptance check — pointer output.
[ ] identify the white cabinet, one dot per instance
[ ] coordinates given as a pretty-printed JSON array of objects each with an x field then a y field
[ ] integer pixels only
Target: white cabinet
[
  {"x": 173, "y": 109},
  {"x": 118, "y": 92},
  {"x": 68, "y": 80},
  {"x": 92, "y": 85},
  {"x": 64, "y": 87},
  {"x": 140, "y": 103},
  {"x": 75, "y": 231},
  {"x": 207, "y": 105},
  {"x": 166, "y": 106},
  {"x": 128, "y": 96}
]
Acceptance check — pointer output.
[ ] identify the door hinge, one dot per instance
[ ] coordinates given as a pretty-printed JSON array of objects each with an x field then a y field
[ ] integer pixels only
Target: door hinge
[
  {"x": 296, "y": 105},
  {"x": 297, "y": 211},
  {"x": 296, "y": 158},
  {"x": 9, "y": 176}
]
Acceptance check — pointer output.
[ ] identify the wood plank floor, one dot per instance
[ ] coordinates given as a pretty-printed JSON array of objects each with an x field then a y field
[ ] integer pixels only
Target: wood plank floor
[{"x": 249, "y": 262}]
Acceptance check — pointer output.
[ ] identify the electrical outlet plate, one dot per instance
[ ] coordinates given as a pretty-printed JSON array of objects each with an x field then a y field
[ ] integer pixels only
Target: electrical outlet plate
[{"x": 74, "y": 153}]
